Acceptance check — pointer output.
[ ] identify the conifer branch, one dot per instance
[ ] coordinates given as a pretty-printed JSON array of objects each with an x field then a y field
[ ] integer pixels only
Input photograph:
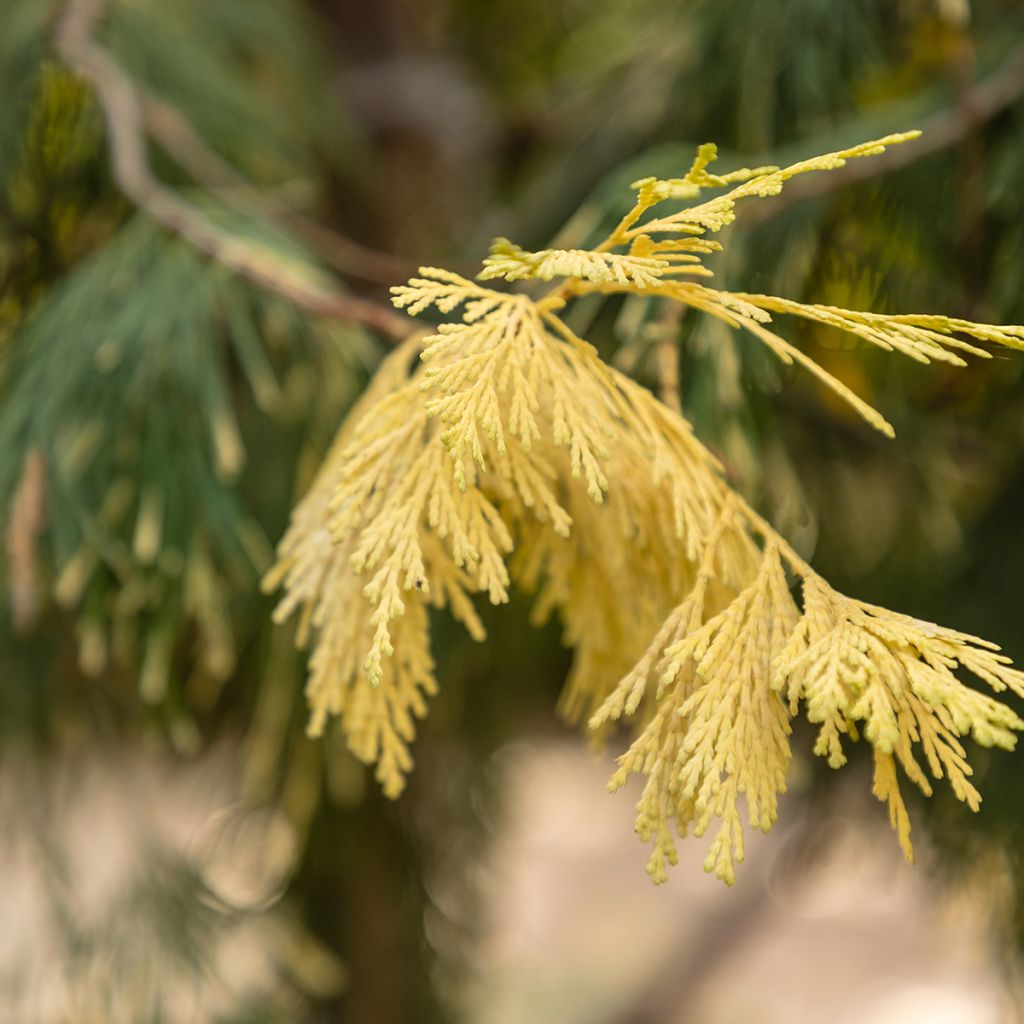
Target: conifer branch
[
  {"x": 188, "y": 149},
  {"x": 515, "y": 455},
  {"x": 124, "y": 114}
]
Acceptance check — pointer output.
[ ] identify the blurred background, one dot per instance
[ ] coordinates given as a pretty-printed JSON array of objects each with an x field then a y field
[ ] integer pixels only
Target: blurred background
[{"x": 202, "y": 203}]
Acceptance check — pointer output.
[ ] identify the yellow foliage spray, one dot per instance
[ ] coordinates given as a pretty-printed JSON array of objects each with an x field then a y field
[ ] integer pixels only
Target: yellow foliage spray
[{"x": 512, "y": 454}]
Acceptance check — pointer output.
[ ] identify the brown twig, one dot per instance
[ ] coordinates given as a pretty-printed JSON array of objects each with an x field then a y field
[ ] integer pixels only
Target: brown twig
[
  {"x": 167, "y": 126},
  {"x": 976, "y": 105},
  {"x": 350, "y": 257},
  {"x": 124, "y": 115}
]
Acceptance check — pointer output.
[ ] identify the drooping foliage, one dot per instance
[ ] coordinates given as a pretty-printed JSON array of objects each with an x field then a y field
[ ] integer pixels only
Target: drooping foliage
[
  {"x": 132, "y": 540},
  {"x": 514, "y": 456}
]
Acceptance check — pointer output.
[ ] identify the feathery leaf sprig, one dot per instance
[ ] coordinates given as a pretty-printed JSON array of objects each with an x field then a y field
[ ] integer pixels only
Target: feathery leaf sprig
[{"x": 512, "y": 455}]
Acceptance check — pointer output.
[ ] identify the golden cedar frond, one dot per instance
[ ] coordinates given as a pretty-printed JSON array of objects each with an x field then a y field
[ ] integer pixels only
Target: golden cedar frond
[
  {"x": 514, "y": 454},
  {"x": 512, "y": 263}
]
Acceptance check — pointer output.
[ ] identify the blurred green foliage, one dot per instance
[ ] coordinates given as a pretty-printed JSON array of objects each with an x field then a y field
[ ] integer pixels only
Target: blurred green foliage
[{"x": 174, "y": 412}]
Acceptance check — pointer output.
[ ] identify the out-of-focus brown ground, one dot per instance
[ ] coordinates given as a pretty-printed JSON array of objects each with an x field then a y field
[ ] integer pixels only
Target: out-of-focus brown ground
[{"x": 846, "y": 933}]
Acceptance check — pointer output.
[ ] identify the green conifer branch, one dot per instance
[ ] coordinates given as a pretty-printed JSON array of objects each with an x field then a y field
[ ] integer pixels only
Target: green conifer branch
[{"x": 123, "y": 111}]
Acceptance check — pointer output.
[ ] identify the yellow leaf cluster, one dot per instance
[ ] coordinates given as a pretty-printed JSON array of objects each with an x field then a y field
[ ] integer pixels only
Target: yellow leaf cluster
[
  {"x": 512, "y": 263},
  {"x": 850, "y": 662},
  {"x": 511, "y": 455}
]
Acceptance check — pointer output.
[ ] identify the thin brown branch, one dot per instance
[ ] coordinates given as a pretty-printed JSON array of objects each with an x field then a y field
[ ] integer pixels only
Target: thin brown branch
[
  {"x": 124, "y": 115},
  {"x": 183, "y": 144},
  {"x": 350, "y": 257},
  {"x": 975, "y": 106}
]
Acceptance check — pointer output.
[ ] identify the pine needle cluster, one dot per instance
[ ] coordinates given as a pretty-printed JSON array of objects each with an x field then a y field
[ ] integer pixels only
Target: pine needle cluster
[{"x": 512, "y": 455}]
